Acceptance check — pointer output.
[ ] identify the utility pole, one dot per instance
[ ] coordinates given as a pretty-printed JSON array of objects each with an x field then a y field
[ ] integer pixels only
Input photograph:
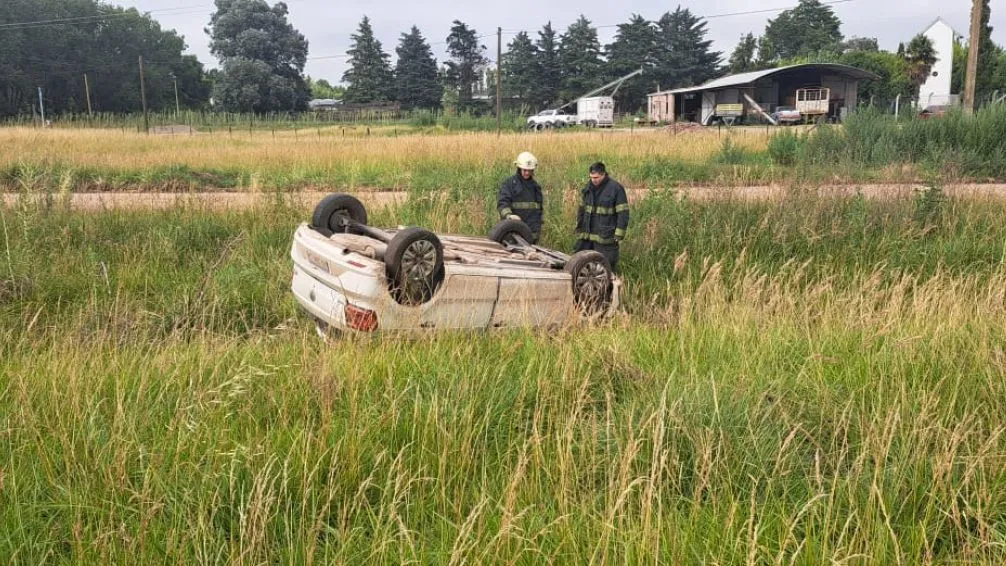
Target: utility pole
[
  {"x": 41, "y": 106},
  {"x": 499, "y": 80},
  {"x": 974, "y": 44},
  {"x": 143, "y": 97},
  {"x": 178, "y": 108},
  {"x": 87, "y": 90}
]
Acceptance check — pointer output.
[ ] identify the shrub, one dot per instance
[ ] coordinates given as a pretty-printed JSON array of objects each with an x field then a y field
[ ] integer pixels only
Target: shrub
[{"x": 784, "y": 147}]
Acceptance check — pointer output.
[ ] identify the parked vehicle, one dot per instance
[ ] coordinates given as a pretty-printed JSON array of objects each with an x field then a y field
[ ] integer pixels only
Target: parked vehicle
[
  {"x": 596, "y": 111},
  {"x": 813, "y": 102},
  {"x": 787, "y": 115},
  {"x": 555, "y": 118},
  {"x": 591, "y": 111},
  {"x": 350, "y": 276},
  {"x": 934, "y": 111}
]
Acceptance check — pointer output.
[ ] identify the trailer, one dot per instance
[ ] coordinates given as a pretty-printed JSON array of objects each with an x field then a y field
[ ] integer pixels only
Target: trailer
[
  {"x": 813, "y": 101},
  {"x": 596, "y": 111}
]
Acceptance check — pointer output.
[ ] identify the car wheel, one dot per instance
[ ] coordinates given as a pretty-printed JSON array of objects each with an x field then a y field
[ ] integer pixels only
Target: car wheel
[
  {"x": 330, "y": 214},
  {"x": 505, "y": 230},
  {"x": 415, "y": 265},
  {"x": 592, "y": 281}
]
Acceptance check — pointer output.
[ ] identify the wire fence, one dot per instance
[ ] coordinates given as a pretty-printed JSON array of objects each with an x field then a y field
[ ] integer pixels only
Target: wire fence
[{"x": 215, "y": 122}]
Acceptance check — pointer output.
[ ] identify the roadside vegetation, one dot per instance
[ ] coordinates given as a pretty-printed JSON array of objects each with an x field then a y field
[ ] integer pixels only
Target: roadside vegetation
[
  {"x": 870, "y": 147},
  {"x": 801, "y": 381}
]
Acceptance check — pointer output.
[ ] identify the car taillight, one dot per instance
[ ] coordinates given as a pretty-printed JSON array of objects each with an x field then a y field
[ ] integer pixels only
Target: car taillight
[{"x": 364, "y": 320}]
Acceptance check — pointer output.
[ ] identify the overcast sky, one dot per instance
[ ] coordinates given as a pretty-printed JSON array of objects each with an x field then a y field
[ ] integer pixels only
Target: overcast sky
[{"x": 327, "y": 24}]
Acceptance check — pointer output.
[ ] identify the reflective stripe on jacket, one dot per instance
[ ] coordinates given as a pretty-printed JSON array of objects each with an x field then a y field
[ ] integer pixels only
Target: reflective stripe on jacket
[
  {"x": 603, "y": 216},
  {"x": 523, "y": 198}
]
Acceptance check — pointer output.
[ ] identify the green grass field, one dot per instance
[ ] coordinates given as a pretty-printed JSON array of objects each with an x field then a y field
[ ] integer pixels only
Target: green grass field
[{"x": 800, "y": 382}]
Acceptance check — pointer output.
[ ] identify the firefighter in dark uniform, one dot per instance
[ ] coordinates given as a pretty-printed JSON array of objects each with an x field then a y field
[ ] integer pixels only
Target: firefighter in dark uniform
[
  {"x": 603, "y": 217},
  {"x": 520, "y": 196}
]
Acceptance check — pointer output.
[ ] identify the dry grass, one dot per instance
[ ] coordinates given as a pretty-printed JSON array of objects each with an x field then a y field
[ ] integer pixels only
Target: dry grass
[
  {"x": 116, "y": 150},
  {"x": 104, "y": 158}
]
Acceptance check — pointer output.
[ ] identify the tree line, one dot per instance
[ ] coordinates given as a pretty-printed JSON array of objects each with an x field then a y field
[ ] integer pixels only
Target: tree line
[
  {"x": 810, "y": 33},
  {"x": 539, "y": 69},
  {"x": 53, "y": 43}
]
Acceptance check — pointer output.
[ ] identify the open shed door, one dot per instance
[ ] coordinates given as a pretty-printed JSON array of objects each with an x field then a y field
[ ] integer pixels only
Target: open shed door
[{"x": 708, "y": 107}]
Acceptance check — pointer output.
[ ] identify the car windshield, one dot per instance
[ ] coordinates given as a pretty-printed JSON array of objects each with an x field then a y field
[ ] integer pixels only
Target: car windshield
[
  {"x": 786, "y": 109},
  {"x": 546, "y": 112}
]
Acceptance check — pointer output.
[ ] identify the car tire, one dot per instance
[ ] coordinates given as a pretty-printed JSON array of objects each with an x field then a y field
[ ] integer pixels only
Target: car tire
[
  {"x": 592, "y": 280},
  {"x": 326, "y": 219},
  {"x": 415, "y": 265},
  {"x": 504, "y": 230}
]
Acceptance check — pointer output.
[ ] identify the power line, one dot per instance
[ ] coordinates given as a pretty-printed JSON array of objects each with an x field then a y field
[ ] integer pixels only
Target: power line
[
  {"x": 176, "y": 11},
  {"x": 709, "y": 17},
  {"x": 100, "y": 17}
]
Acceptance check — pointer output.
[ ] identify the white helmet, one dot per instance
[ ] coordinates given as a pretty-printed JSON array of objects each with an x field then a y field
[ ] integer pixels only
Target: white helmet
[{"x": 526, "y": 160}]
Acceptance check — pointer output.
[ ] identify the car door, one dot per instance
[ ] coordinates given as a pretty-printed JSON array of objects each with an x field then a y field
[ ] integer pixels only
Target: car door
[
  {"x": 464, "y": 301},
  {"x": 537, "y": 302}
]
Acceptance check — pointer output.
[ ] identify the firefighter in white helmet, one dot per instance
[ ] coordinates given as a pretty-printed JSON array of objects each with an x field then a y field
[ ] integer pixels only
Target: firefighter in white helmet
[{"x": 520, "y": 196}]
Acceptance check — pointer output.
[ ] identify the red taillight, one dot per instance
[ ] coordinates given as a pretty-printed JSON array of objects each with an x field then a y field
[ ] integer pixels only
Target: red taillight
[{"x": 364, "y": 320}]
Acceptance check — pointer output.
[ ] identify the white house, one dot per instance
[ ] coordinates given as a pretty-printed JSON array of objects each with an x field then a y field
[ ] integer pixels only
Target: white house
[{"x": 936, "y": 89}]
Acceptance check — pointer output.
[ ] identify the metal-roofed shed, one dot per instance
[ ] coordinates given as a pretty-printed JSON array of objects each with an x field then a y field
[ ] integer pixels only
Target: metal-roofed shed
[{"x": 754, "y": 95}]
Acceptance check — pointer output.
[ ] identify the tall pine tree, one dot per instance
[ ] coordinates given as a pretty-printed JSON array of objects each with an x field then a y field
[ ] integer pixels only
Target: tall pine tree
[
  {"x": 684, "y": 55},
  {"x": 416, "y": 73},
  {"x": 633, "y": 48},
  {"x": 811, "y": 27},
  {"x": 467, "y": 62},
  {"x": 580, "y": 60},
  {"x": 369, "y": 77},
  {"x": 743, "y": 57},
  {"x": 519, "y": 69},
  {"x": 988, "y": 52},
  {"x": 548, "y": 68}
]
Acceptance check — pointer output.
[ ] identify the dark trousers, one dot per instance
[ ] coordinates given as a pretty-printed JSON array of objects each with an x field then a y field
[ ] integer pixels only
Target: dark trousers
[{"x": 609, "y": 251}]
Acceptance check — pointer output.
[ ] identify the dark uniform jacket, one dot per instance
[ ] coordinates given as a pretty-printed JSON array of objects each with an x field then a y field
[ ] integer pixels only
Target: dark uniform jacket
[
  {"x": 603, "y": 217},
  {"x": 523, "y": 198}
]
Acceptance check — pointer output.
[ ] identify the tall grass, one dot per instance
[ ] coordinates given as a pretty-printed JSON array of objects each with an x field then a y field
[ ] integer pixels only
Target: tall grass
[
  {"x": 440, "y": 152},
  {"x": 952, "y": 146},
  {"x": 351, "y": 159},
  {"x": 802, "y": 381}
]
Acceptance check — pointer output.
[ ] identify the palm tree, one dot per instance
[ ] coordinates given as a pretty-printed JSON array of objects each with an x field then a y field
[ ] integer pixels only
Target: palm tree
[{"x": 921, "y": 56}]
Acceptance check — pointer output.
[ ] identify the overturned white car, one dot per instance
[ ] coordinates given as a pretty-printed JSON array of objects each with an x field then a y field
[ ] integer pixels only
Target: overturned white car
[{"x": 350, "y": 276}]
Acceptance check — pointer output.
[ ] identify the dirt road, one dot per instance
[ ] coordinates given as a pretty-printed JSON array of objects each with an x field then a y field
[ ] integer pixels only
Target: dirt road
[{"x": 376, "y": 198}]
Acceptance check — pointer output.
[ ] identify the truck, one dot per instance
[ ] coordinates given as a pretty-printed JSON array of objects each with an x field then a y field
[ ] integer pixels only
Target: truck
[
  {"x": 554, "y": 118},
  {"x": 596, "y": 111},
  {"x": 591, "y": 111}
]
